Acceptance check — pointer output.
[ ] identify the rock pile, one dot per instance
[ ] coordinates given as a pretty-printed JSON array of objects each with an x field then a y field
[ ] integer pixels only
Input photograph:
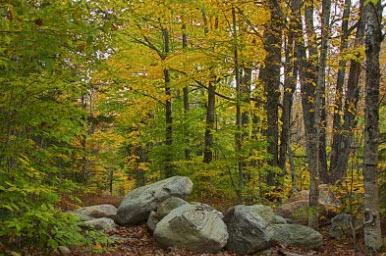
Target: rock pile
[{"x": 196, "y": 226}]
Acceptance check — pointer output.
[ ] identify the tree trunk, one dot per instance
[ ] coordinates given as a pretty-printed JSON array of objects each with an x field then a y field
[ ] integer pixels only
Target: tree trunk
[
  {"x": 168, "y": 109},
  {"x": 245, "y": 90},
  {"x": 210, "y": 116},
  {"x": 238, "y": 102},
  {"x": 343, "y": 134},
  {"x": 315, "y": 168},
  {"x": 210, "y": 110},
  {"x": 270, "y": 76},
  {"x": 186, "y": 99},
  {"x": 289, "y": 87},
  {"x": 373, "y": 39}
]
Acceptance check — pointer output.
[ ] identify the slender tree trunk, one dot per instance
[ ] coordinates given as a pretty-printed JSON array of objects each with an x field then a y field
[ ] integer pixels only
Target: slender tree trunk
[
  {"x": 292, "y": 167},
  {"x": 238, "y": 102},
  {"x": 210, "y": 109},
  {"x": 270, "y": 75},
  {"x": 289, "y": 87},
  {"x": 111, "y": 181},
  {"x": 337, "y": 127},
  {"x": 373, "y": 40},
  {"x": 308, "y": 94},
  {"x": 245, "y": 90},
  {"x": 315, "y": 169},
  {"x": 168, "y": 109},
  {"x": 343, "y": 134},
  {"x": 210, "y": 118},
  {"x": 186, "y": 98}
]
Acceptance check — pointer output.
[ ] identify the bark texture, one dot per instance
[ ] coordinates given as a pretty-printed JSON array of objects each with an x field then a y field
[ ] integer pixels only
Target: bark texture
[
  {"x": 373, "y": 39},
  {"x": 270, "y": 76}
]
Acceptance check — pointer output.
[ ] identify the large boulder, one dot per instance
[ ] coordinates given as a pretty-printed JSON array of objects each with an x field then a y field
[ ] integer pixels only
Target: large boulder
[
  {"x": 105, "y": 224},
  {"x": 296, "y": 207},
  {"x": 248, "y": 228},
  {"x": 327, "y": 199},
  {"x": 98, "y": 211},
  {"x": 193, "y": 227},
  {"x": 137, "y": 205},
  {"x": 344, "y": 224},
  {"x": 169, "y": 205},
  {"x": 296, "y": 211},
  {"x": 297, "y": 235}
]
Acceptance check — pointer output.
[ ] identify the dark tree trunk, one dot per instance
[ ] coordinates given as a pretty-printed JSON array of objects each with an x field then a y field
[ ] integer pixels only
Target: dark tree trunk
[
  {"x": 238, "y": 102},
  {"x": 168, "y": 110},
  {"x": 373, "y": 40},
  {"x": 245, "y": 89},
  {"x": 186, "y": 99},
  {"x": 270, "y": 76},
  {"x": 343, "y": 134},
  {"x": 210, "y": 110},
  {"x": 210, "y": 118}
]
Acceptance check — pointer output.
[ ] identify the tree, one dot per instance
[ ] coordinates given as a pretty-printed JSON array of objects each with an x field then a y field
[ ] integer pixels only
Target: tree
[
  {"x": 270, "y": 76},
  {"x": 373, "y": 40},
  {"x": 342, "y": 134}
]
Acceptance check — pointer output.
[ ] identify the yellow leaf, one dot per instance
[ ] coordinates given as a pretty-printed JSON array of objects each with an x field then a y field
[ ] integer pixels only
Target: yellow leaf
[
  {"x": 15, "y": 253},
  {"x": 98, "y": 246}
]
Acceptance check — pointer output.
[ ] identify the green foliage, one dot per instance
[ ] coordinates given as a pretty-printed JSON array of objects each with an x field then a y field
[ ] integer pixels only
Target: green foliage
[{"x": 28, "y": 214}]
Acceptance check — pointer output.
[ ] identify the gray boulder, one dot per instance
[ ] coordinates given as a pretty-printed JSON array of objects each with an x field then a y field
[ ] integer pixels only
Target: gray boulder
[
  {"x": 81, "y": 216},
  {"x": 192, "y": 227},
  {"x": 137, "y": 205},
  {"x": 344, "y": 224},
  {"x": 98, "y": 211},
  {"x": 105, "y": 224},
  {"x": 297, "y": 235},
  {"x": 297, "y": 211},
  {"x": 168, "y": 205},
  {"x": 248, "y": 228}
]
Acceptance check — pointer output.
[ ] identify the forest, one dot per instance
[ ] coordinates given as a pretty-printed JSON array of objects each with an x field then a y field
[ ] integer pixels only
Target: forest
[{"x": 192, "y": 127}]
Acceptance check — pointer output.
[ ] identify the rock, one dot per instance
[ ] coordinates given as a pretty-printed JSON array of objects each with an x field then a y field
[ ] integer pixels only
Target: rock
[
  {"x": 248, "y": 228},
  {"x": 279, "y": 220},
  {"x": 168, "y": 205},
  {"x": 99, "y": 211},
  {"x": 343, "y": 224},
  {"x": 192, "y": 227},
  {"x": 297, "y": 236},
  {"x": 105, "y": 224},
  {"x": 296, "y": 206},
  {"x": 326, "y": 197},
  {"x": 296, "y": 211},
  {"x": 210, "y": 208},
  {"x": 81, "y": 216},
  {"x": 64, "y": 250},
  {"x": 299, "y": 196},
  {"x": 137, "y": 205},
  {"x": 152, "y": 221}
]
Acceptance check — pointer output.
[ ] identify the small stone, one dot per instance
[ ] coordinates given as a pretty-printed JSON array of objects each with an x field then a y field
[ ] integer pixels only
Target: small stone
[
  {"x": 64, "y": 250},
  {"x": 105, "y": 224}
]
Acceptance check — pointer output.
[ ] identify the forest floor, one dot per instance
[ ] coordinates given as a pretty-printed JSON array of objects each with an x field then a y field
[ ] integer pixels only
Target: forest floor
[{"x": 138, "y": 241}]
